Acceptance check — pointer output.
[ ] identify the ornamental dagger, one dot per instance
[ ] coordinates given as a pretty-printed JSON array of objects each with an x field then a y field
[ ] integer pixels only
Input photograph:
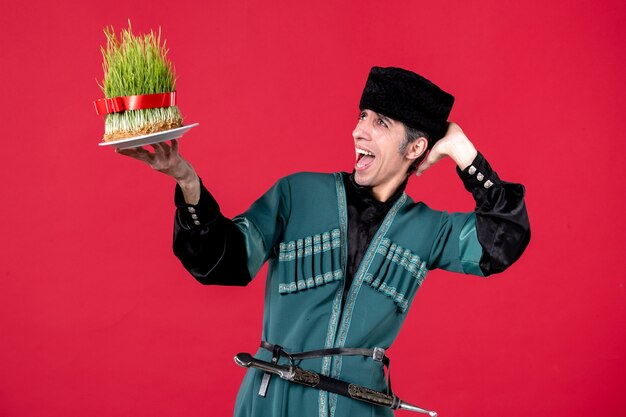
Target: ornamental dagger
[{"x": 312, "y": 379}]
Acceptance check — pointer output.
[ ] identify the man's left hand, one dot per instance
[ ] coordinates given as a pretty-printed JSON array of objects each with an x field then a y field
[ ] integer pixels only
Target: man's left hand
[{"x": 455, "y": 145}]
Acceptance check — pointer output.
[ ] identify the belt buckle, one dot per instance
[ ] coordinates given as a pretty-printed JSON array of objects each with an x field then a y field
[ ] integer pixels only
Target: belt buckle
[{"x": 378, "y": 354}]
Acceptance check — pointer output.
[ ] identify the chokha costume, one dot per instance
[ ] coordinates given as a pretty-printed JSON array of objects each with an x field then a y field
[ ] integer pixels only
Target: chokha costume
[{"x": 344, "y": 268}]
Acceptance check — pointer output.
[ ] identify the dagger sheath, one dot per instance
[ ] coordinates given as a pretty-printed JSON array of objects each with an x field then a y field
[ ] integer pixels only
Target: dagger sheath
[{"x": 312, "y": 379}]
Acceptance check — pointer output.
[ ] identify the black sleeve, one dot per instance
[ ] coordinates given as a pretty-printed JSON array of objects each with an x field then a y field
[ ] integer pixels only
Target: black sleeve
[
  {"x": 208, "y": 244},
  {"x": 502, "y": 222}
]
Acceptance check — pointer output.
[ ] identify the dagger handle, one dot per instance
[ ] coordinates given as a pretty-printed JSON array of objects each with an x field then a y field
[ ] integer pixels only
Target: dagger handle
[{"x": 245, "y": 360}]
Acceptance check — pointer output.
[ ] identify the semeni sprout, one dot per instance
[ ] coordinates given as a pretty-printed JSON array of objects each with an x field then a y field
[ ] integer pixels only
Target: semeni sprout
[{"x": 137, "y": 65}]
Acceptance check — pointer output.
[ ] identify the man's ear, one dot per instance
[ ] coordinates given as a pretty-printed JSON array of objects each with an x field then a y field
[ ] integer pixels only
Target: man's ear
[{"x": 416, "y": 148}]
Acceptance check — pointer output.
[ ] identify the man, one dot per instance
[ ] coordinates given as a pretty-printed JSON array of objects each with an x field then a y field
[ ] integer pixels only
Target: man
[{"x": 347, "y": 252}]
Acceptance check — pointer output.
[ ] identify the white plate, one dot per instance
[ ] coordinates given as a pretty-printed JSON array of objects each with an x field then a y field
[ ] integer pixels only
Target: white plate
[{"x": 149, "y": 139}]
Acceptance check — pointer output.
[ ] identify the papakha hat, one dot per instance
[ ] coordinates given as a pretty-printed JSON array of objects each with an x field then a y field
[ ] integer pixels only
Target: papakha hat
[{"x": 408, "y": 97}]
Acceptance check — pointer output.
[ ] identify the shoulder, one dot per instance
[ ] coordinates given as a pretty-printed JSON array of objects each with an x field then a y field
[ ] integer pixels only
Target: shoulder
[
  {"x": 421, "y": 209},
  {"x": 419, "y": 214},
  {"x": 313, "y": 191},
  {"x": 308, "y": 177},
  {"x": 309, "y": 182},
  {"x": 294, "y": 185}
]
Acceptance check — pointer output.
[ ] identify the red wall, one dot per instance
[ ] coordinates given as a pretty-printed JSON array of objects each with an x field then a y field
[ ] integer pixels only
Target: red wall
[{"x": 98, "y": 318}]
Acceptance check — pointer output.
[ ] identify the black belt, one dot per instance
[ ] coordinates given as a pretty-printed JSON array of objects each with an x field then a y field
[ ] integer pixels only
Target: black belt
[{"x": 377, "y": 354}]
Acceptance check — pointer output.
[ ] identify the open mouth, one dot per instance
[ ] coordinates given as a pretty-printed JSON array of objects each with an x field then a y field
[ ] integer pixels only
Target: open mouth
[{"x": 364, "y": 159}]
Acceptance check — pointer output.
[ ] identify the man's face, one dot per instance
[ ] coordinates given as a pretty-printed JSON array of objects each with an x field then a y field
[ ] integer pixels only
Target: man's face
[{"x": 379, "y": 163}]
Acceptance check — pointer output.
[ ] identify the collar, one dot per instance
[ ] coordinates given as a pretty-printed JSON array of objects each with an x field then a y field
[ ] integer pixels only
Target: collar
[{"x": 366, "y": 194}]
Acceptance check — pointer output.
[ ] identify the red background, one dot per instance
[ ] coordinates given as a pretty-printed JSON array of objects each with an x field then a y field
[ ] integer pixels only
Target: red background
[{"x": 97, "y": 317}]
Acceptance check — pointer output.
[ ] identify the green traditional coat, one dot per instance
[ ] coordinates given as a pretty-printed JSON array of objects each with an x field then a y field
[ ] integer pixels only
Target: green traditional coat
[{"x": 299, "y": 226}]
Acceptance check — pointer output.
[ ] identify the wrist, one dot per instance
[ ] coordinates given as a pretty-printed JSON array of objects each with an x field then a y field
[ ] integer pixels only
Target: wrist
[
  {"x": 462, "y": 151},
  {"x": 189, "y": 181},
  {"x": 190, "y": 186},
  {"x": 184, "y": 174}
]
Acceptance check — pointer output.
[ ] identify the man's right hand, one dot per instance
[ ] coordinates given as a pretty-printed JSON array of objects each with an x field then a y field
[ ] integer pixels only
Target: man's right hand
[{"x": 167, "y": 160}]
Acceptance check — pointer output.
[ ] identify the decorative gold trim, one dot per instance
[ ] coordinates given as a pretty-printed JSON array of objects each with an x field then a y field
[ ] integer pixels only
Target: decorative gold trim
[
  {"x": 356, "y": 287},
  {"x": 365, "y": 394}
]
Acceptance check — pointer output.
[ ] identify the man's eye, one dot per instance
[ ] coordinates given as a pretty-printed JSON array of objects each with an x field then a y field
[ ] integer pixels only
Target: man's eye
[
  {"x": 382, "y": 123},
  {"x": 362, "y": 116}
]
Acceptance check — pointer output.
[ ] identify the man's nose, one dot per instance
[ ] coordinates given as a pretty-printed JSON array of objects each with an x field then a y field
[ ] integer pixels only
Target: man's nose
[{"x": 361, "y": 131}]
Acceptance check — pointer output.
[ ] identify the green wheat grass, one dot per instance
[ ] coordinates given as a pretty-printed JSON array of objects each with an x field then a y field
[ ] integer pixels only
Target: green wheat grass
[{"x": 133, "y": 65}]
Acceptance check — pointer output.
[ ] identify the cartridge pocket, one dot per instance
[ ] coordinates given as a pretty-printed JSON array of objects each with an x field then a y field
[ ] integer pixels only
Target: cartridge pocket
[
  {"x": 309, "y": 262},
  {"x": 397, "y": 273}
]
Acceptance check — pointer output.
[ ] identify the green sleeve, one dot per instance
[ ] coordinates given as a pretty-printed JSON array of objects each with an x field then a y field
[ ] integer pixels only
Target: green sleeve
[
  {"x": 263, "y": 223},
  {"x": 456, "y": 247}
]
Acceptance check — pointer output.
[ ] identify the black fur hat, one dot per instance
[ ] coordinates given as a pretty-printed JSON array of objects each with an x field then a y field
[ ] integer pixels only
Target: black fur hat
[{"x": 409, "y": 98}]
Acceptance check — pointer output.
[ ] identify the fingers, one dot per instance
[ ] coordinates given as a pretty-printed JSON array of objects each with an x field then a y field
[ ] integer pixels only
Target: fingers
[
  {"x": 431, "y": 159},
  {"x": 453, "y": 127},
  {"x": 453, "y": 130},
  {"x": 157, "y": 148},
  {"x": 167, "y": 151},
  {"x": 423, "y": 167},
  {"x": 162, "y": 158},
  {"x": 137, "y": 153},
  {"x": 161, "y": 149},
  {"x": 159, "y": 152}
]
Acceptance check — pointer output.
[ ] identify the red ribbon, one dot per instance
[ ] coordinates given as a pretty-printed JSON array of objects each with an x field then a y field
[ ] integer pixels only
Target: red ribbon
[{"x": 143, "y": 101}]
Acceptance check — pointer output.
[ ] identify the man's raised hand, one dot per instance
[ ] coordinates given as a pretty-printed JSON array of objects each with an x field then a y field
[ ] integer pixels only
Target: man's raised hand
[
  {"x": 167, "y": 159},
  {"x": 455, "y": 145}
]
